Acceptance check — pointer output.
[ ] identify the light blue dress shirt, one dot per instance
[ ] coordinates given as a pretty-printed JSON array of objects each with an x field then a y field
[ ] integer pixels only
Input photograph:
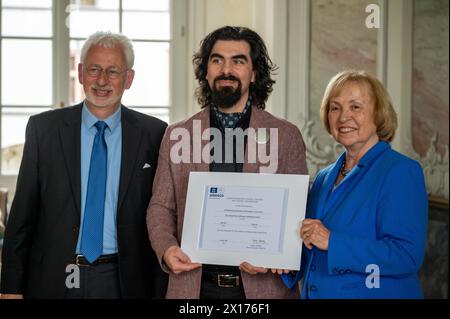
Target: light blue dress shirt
[{"x": 113, "y": 137}]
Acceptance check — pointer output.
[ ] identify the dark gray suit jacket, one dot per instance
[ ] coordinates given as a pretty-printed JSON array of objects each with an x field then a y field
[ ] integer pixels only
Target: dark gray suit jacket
[{"x": 42, "y": 231}]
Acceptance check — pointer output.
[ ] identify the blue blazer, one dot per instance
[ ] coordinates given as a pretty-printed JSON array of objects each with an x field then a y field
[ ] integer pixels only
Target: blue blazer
[{"x": 377, "y": 217}]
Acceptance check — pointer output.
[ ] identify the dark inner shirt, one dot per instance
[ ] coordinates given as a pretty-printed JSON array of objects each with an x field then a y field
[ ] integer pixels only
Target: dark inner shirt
[{"x": 233, "y": 167}]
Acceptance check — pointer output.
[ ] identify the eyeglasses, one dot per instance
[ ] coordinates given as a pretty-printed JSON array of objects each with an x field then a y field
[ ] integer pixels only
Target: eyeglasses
[{"x": 112, "y": 73}]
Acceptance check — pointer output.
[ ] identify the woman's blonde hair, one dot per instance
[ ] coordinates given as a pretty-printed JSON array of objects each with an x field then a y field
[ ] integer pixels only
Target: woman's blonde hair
[{"x": 385, "y": 117}]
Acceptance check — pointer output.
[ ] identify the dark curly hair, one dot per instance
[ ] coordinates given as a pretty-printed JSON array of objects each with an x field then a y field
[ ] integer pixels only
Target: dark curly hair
[{"x": 262, "y": 64}]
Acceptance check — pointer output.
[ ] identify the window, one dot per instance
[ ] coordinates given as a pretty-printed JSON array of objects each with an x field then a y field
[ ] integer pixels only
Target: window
[
  {"x": 26, "y": 86},
  {"x": 39, "y": 59},
  {"x": 147, "y": 23}
]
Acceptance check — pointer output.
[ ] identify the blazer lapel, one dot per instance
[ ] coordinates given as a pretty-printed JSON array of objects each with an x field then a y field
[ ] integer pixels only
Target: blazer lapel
[
  {"x": 70, "y": 135},
  {"x": 346, "y": 189},
  {"x": 256, "y": 121},
  {"x": 205, "y": 124},
  {"x": 131, "y": 141},
  {"x": 324, "y": 196}
]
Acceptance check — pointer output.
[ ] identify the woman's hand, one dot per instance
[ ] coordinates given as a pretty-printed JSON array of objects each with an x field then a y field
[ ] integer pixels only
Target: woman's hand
[
  {"x": 253, "y": 270},
  {"x": 313, "y": 233},
  {"x": 280, "y": 271}
]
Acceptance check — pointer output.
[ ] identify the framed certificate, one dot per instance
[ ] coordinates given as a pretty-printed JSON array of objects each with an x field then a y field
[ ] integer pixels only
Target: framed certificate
[{"x": 235, "y": 217}]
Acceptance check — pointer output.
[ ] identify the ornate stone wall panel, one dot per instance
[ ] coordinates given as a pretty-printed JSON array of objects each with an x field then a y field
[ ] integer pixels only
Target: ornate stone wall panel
[
  {"x": 430, "y": 104},
  {"x": 430, "y": 93}
]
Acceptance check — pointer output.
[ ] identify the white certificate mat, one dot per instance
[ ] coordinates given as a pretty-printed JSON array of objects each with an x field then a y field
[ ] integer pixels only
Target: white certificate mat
[{"x": 235, "y": 217}]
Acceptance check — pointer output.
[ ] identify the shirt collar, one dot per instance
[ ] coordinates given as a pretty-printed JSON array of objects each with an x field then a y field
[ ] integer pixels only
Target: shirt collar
[
  {"x": 230, "y": 120},
  {"x": 372, "y": 153},
  {"x": 88, "y": 119}
]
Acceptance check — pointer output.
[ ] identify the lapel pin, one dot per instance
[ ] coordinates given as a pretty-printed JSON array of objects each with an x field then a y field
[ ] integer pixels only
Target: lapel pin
[{"x": 262, "y": 138}]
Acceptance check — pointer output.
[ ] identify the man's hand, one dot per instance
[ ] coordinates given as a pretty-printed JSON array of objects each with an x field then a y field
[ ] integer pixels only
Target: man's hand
[
  {"x": 313, "y": 233},
  {"x": 11, "y": 296},
  {"x": 178, "y": 261}
]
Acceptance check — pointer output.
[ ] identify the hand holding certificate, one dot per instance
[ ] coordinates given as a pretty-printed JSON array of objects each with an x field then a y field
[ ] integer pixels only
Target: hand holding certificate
[
  {"x": 235, "y": 217},
  {"x": 178, "y": 261}
]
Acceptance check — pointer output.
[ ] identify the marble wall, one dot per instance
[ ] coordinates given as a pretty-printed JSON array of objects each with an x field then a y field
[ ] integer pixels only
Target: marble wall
[
  {"x": 430, "y": 105},
  {"x": 339, "y": 40}
]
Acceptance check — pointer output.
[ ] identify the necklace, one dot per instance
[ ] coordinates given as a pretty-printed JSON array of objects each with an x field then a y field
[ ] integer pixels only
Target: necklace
[{"x": 343, "y": 171}]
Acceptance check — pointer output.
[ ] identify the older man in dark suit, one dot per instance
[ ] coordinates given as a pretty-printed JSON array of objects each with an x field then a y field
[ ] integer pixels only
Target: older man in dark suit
[{"x": 82, "y": 192}]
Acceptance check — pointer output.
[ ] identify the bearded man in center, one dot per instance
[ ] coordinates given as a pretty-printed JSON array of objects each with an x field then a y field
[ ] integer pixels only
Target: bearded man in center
[{"x": 234, "y": 72}]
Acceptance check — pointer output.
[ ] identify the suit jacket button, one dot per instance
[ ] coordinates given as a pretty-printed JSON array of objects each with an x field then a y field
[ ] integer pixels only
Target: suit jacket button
[
  {"x": 341, "y": 271},
  {"x": 313, "y": 267}
]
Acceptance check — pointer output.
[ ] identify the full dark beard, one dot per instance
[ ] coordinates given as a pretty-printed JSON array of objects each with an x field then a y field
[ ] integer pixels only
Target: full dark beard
[{"x": 226, "y": 97}]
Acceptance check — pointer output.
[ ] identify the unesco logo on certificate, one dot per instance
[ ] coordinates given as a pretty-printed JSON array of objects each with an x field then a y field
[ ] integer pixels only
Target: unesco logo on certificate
[{"x": 216, "y": 192}]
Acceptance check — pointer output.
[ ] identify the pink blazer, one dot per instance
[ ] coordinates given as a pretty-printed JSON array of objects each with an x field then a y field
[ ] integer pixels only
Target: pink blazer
[{"x": 165, "y": 213}]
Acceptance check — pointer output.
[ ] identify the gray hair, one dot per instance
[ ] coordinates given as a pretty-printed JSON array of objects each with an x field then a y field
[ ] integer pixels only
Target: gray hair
[{"x": 110, "y": 40}]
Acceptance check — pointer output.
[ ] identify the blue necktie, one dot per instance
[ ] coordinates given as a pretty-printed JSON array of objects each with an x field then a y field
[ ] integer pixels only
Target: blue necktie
[{"x": 92, "y": 236}]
